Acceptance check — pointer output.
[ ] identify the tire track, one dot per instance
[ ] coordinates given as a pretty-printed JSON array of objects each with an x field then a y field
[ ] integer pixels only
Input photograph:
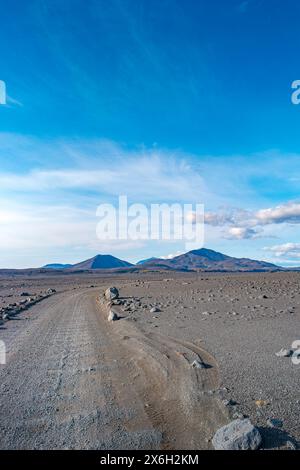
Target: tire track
[
  {"x": 75, "y": 381},
  {"x": 178, "y": 399}
]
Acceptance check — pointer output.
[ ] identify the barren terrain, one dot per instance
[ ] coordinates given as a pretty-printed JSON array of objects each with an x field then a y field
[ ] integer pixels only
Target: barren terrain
[{"x": 75, "y": 380}]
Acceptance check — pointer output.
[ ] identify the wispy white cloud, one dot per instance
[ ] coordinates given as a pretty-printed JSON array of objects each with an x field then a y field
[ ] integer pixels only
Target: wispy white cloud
[
  {"x": 40, "y": 233},
  {"x": 244, "y": 224},
  {"x": 51, "y": 207},
  {"x": 111, "y": 170},
  {"x": 50, "y": 191},
  {"x": 240, "y": 233},
  {"x": 291, "y": 250},
  {"x": 289, "y": 213}
]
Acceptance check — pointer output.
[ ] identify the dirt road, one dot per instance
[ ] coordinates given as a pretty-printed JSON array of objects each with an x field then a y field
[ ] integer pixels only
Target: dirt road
[{"x": 73, "y": 380}]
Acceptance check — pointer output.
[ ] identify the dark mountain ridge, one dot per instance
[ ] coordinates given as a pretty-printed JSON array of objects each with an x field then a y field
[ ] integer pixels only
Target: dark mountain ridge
[
  {"x": 210, "y": 260},
  {"x": 203, "y": 259},
  {"x": 101, "y": 262}
]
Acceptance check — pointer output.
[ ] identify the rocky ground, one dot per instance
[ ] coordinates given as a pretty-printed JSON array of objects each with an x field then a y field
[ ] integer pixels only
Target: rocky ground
[{"x": 235, "y": 324}]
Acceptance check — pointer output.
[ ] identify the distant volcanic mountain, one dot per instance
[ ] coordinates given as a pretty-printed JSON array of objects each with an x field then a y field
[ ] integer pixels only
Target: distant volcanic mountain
[
  {"x": 102, "y": 262},
  {"x": 195, "y": 260},
  {"x": 143, "y": 261},
  {"x": 57, "y": 266},
  {"x": 209, "y": 260}
]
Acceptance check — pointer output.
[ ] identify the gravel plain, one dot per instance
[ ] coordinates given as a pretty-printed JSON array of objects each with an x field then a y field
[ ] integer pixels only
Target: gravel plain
[{"x": 74, "y": 380}]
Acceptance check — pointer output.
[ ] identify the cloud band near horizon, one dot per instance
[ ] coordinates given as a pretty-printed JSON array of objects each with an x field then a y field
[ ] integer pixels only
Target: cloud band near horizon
[{"x": 50, "y": 202}]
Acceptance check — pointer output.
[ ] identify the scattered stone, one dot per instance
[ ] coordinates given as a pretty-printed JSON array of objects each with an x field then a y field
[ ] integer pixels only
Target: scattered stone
[
  {"x": 284, "y": 353},
  {"x": 229, "y": 402},
  {"x": 111, "y": 293},
  {"x": 238, "y": 415},
  {"x": 274, "y": 423},
  {"x": 50, "y": 291},
  {"x": 240, "y": 434},
  {"x": 198, "y": 364},
  {"x": 261, "y": 403},
  {"x": 154, "y": 310},
  {"x": 112, "y": 316}
]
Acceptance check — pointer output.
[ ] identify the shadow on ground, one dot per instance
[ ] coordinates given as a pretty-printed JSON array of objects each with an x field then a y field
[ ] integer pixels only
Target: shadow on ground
[{"x": 276, "y": 438}]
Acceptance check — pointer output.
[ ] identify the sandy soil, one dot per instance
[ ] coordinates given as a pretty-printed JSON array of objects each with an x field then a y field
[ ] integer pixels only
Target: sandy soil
[{"x": 74, "y": 380}]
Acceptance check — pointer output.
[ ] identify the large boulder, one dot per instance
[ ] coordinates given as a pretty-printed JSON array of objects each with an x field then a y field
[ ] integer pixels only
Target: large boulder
[
  {"x": 112, "y": 316},
  {"x": 111, "y": 293},
  {"x": 240, "y": 434}
]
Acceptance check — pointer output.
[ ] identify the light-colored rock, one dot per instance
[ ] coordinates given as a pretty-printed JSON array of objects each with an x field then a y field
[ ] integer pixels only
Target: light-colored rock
[
  {"x": 284, "y": 353},
  {"x": 261, "y": 403},
  {"x": 154, "y": 310},
  {"x": 112, "y": 316},
  {"x": 198, "y": 364},
  {"x": 111, "y": 293},
  {"x": 240, "y": 434},
  {"x": 50, "y": 291}
]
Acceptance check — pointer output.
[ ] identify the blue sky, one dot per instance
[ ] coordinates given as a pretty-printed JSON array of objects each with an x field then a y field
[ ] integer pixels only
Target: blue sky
[{"x": 163, "y": 100}]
